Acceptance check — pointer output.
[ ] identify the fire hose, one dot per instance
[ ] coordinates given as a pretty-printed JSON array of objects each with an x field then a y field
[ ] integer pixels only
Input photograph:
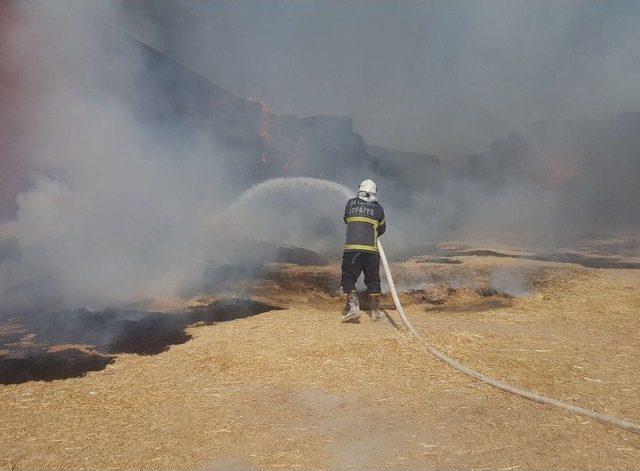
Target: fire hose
[{"x": 525, "y": 393}]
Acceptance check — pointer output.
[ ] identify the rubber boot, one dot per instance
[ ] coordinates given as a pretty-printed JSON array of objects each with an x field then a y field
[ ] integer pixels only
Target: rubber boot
[
  {"x": 376, "y": 315},
  {"x": 352, "y": 311}
]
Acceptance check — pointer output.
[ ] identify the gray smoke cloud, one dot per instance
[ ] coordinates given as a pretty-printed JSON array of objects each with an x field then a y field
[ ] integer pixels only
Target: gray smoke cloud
[
  {"x": 121, "y": 202},
  {"x": 450, "y": 78},
  {"x": 111, "y": 212},
  {"x": 510, "y": 281},
  {"x": 441, "y": 77},
  {"x": 125, "y": 179}
]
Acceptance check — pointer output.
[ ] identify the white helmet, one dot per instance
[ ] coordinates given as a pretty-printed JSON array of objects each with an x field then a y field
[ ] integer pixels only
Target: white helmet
[{"x": 367, "y": 190}]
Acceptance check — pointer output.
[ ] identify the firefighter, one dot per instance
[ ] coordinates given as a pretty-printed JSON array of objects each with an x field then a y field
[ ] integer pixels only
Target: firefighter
[{"x": 364, "y": 218}]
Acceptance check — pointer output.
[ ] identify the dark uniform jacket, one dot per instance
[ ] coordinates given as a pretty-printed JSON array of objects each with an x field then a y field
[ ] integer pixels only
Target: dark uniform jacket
[{"x": 365, "y": 222}]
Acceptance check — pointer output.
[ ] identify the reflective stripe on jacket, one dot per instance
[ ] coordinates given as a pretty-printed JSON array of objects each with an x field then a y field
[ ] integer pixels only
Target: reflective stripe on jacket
[{"x": 365, "y": 222}]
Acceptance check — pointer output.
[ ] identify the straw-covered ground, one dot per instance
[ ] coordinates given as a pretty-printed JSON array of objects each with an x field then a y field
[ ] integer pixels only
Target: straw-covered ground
[{"x": 296, "y": 389}]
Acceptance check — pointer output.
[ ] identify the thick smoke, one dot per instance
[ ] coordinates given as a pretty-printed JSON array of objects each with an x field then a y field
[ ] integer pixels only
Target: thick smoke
[
  {"x": 541, "y": 95},
  {"x": 120, "y": 165},
  {"x": 442, "y": 77},
  {"x": 122, "y": 186},
  {"x": 110, "y": 214}
]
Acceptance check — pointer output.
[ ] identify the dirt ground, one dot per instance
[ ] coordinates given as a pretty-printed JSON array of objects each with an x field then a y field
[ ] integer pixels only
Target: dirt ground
[{"x": 296, "y": 389}]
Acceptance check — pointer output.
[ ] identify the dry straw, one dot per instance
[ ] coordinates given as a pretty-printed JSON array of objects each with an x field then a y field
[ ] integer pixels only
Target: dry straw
[{"x": 527, "y": 394}]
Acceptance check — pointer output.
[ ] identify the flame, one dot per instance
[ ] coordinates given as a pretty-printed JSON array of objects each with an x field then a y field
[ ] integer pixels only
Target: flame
[
  {"x": 560, "y": 166},
  {"x": 289, "y": 154},
  {"x": 266, "y": 137},
  {"x": 263, "y": 107}
]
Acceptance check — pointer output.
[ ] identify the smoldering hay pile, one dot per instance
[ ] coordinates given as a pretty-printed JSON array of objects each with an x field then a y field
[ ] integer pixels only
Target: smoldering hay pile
[{"x": 125, "y": 158}]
